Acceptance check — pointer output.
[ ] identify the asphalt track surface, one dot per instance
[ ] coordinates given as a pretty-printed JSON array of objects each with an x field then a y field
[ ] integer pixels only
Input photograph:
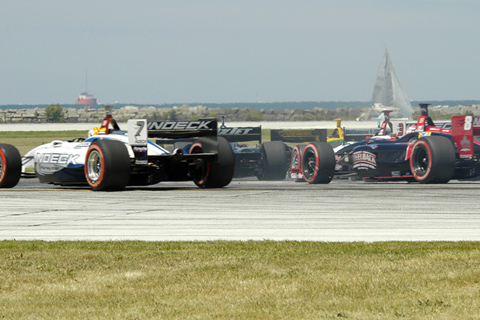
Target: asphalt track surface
[{"x": 247, "y": 209}]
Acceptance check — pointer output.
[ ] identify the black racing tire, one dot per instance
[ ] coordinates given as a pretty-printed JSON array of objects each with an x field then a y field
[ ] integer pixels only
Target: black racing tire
[
  {"x": 273, "y": 164},
  {"x": 318, "y": 163},
  {"x": 10, "y": 166},
  {"x": 433, "y": 160},
  {"x": 296, "y": 160},
  {"x": 107, "y": 165},
  {"x": 217, "y": 173}
]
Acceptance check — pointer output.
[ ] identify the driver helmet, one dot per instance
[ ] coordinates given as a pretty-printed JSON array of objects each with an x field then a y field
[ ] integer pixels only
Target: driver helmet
[{"x": 93, "y": 132}]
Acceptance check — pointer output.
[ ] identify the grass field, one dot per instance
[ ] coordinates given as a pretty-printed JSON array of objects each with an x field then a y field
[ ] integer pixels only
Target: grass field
[{"x": 239, "y": 280}]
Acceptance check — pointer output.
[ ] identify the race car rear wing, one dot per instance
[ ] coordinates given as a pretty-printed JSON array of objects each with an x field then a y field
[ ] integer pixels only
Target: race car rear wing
[
  {"x": 164, "y": 129},
  {"x": 241, "y": 134},
  {"x": 299, "y": 135},
  {"x": 139, "y": 130},
  {"x": 182, "y": 129},
  {"x": 464, "y": 128}
]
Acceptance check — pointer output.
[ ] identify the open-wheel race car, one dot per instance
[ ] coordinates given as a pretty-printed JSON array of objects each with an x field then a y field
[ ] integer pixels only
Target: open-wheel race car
[
  {"x": 267, "y": 160},
  {"x": 433, "y": 155},
  {"x": 110, "y": 159},
  {"x": 425, "y": 154}
]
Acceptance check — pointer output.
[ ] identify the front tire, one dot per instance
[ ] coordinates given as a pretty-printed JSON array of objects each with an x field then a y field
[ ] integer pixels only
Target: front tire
[
  {"x": 107, "y": 165},
  {"x": 10, "y": 166},
  {"x": 318, "y": 163},
  {"x": 433, "y": 160}
]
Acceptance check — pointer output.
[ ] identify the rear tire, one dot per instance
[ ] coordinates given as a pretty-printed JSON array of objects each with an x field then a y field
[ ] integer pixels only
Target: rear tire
[
  {"x": 107, "y": 165},
  {"x": 433, "y": 160},
  {"x": 273, "y": 161},
  {"x": 10, "y": 166},
  {"x": 218, "y": 173},
  {"x": 318, "y": 163}
]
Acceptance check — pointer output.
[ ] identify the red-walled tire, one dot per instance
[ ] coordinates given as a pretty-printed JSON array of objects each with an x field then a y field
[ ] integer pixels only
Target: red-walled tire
[
  {"x": 296, "y": 161},
  {"x": 433, "y": 160},
  {"x": 107, "y": 165},
  {"x": 318, "y": 163},
  {"x": 10, "y": 166}
]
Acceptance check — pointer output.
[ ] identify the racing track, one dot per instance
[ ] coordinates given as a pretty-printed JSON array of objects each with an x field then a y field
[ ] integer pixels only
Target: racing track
[{"x": 247, "y": 209}]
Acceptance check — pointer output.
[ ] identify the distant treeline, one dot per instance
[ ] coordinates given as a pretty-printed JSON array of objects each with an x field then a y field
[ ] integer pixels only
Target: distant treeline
[{"x": 303, "y": 105}]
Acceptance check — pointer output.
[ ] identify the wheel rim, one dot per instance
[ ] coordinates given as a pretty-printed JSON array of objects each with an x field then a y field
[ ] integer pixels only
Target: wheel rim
[
  {"x": 94, "y": 166},
  {"x": 309, "y": 163},
  {"x": 420, "y": 161}
]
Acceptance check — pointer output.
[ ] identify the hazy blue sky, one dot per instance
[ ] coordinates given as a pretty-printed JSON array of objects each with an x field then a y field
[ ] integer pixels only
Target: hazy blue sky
[{"x": 162, "y": 51}]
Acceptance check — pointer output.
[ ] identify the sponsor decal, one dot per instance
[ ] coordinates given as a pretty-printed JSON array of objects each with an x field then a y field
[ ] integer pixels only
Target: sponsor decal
[
  {"x": 364, "y": 160},
  {"x": 421, "y": 123},
  {"x": 141, "y": 155},
  {"x": 84, "y": 144},
  {"x": 476, "y": 122},
  {"x": 400, "y": 129},
  {"x": 226, "y": 131},
  {"x": 362, "y": 131},
  {"x": 140, "y": 149},
  {"x": 48, "y": 163},
  {"x": 295, "y": 175},
  {"x": 137, "y": 132},
  {"x": 295, "y": 133},
  {"x": 465, "y": 150},
  {"x": 180, "y": 125}
]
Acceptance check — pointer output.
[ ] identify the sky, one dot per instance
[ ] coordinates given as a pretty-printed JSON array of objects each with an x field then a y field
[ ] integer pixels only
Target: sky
[{"x": 217, "y": 51}]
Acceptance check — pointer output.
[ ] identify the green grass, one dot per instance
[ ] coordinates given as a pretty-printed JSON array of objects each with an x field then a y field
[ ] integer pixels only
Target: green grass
[
  {"x": 239, "y": 280},
  {"x": 27, "y": 140}
]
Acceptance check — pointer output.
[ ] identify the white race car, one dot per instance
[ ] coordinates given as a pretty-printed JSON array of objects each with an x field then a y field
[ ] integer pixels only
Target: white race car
[{"x": 110, "y": 159}]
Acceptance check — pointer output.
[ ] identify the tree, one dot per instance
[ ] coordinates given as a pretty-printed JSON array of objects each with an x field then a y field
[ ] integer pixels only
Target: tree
[
  {"x": 54, "y": 113},
  {"x": 254, "y": 116}
]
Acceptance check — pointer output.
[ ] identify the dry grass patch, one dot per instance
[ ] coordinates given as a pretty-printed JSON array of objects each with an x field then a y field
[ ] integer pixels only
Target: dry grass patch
[{"x": 239, "y": 280}]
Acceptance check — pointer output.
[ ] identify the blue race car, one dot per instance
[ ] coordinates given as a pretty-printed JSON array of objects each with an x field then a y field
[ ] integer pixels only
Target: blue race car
[{"x": 425, "y": 154}]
